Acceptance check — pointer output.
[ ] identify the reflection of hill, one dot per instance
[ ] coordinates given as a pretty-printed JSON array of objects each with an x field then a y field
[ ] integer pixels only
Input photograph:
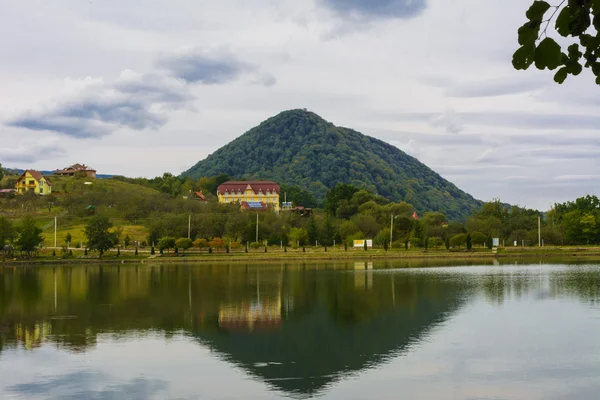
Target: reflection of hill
[
  {"x": 297, "y": 329},
  {"x": 294, "y": 327},
  {"x": 313, "y": 350}
]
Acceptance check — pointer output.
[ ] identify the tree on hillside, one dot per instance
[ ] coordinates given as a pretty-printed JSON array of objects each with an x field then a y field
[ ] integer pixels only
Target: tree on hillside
[
  {"x": 184, "y": 244},
  {"x": 313, "y": 231},
  {"x": 166, "y": 243},
  {"x": 298, "y": 236},
  {"x": 328, "y": 232},
  {"x": 578, "y": 20},
  {"x": 29, "y": 236},
  {"x": 335, "y": 196},
  {"x": 458, "y": 240},
  {"x": 97, "y": 233},
  {"x": 1, "y": 172},
  {"x": 7, "y": 231}
]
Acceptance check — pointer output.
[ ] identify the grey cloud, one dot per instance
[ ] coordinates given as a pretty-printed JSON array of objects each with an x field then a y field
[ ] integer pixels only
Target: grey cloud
[
  {"x": 89, "y": 385},
  {"x": 31, "y": 151},
  {"x": 376, "y": 8},
  {"x": 200, "y": 66},
  {"x": 138, "y": 101},
  {"x": 134, "y": 101},
  {"x": 493, "y": 88},
  {"x": 455, "y": 121},
  {"x": 485, "y": 88}
]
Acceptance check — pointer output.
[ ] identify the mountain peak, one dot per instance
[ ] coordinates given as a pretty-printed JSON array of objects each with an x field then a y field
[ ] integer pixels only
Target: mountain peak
[{"x": 298, "y": 147}]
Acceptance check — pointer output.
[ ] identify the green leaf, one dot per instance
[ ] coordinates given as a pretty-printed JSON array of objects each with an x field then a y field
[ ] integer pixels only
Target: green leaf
[
  {"x": 574, "y": 68},
  {"x": 560, "y": 75},
  {"x": 574, "y": 53},
  {"x": 537, "y": 10},
  {"x": 528, "y": 33},
  {"x": 563, "y": 22},
  {"x": 548, "y": 54},
  {"x": 524, "y": 57}
]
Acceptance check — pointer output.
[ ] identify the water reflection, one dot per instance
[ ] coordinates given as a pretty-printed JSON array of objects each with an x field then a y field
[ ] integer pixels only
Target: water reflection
[{"x": 297, "y": 327}]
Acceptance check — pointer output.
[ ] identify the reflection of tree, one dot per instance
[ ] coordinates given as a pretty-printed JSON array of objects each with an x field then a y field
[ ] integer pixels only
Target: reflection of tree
[{"x": 327, "y": 324}]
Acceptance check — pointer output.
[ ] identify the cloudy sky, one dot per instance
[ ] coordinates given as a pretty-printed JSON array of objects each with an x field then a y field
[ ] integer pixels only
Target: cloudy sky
[{"x": 141, "y": 87}]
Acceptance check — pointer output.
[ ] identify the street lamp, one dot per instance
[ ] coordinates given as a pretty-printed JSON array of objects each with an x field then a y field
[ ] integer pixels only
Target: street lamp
[{"x": 392, "y": 218}]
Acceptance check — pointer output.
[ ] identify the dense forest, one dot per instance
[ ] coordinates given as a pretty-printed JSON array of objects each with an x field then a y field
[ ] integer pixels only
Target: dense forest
[{"x": 301, "y": 149}]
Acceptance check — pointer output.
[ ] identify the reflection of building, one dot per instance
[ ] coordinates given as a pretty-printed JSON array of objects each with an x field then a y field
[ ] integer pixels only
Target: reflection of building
[
  {"x": 34, "y": 181},
  {"x": 262, "y": 314},
  {"x": 32, "y": 336},
  {"x": 251, "y": 192}
]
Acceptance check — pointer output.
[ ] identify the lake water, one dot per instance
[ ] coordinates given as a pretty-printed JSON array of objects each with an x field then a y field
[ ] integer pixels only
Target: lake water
[{"x": 334, "y": 331}]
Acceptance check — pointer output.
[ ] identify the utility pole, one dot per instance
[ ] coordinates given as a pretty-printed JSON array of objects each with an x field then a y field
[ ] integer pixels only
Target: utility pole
[
  {"x": 539, "y": 231},
  {"x": 391, "y": 228},
  {"x": 55, "y": 218},
  {"x": 189, "y": 226},
  {"x": 256, "y": 227}
]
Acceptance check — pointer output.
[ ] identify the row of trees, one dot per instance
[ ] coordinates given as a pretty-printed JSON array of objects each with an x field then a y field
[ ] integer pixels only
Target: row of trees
[{"x": 26, "y": 237}]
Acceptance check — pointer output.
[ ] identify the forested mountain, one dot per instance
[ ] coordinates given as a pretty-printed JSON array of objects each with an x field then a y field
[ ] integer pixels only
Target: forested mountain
[{"x": 300, "y": 148}]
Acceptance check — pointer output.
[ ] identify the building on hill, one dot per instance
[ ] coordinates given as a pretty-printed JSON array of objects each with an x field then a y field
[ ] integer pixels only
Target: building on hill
[
  {"x": 251, "y": 192},
  {"x": 34, "y": 181},
  {"x": 76, "y": 169}
]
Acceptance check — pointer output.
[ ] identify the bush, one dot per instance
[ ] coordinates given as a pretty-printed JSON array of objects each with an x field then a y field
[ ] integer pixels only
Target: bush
[
  {"x": 255, "y": 245},
  {"x": 434, "y": 242},
  {"x": 217, "y": 243},
  {"x": 200, "y": 243}
]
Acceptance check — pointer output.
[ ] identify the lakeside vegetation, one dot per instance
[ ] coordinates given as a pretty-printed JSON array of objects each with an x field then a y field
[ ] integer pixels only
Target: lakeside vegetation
[{"x": 125, "y": 217}]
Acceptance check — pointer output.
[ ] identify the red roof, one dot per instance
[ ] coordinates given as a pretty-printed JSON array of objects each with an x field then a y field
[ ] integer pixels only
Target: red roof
[
  {"x": 200, "y": 196},
  {"x": 240, "y": 186}
]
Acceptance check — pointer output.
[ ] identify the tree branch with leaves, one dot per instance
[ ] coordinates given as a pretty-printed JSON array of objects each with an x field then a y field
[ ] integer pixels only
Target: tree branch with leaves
[{"x": 576, "y": 19}]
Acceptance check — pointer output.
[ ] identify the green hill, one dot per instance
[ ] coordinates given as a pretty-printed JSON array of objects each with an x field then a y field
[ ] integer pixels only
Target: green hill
[{"x": 300, "y": 148}]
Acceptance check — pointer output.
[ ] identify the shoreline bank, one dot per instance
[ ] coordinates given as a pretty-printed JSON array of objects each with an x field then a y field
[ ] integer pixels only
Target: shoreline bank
[{"x": 325, "y": 256}]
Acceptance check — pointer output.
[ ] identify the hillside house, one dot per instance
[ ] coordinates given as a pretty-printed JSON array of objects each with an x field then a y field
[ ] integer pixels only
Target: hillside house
[
  {"x": 34, "y": 181},
  {"x": 251, "y": 192},
  {"x": 76, "y": 169}
]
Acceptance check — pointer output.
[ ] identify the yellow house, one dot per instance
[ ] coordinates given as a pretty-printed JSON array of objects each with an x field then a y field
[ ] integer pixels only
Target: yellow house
[
  {"x": 250, "y": 194},
  {"x": 32, "y": 180}
]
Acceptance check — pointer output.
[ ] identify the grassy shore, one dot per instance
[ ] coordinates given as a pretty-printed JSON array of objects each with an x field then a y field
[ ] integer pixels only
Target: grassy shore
[{"x": 128, "y": 256}]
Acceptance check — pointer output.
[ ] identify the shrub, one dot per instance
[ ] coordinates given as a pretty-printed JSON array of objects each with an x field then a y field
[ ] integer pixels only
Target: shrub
[
  {"x": 255, "y": 245},
  {"x": 434, "y": 242},
  {"x": 200, "y": 243},
  {"x": 217, "y": 243}
]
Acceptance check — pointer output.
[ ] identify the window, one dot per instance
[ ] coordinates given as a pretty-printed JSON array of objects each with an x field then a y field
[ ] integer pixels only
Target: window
[
  {"x": 41, "y": 190},
  {"x": 32, "y": 182}
]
